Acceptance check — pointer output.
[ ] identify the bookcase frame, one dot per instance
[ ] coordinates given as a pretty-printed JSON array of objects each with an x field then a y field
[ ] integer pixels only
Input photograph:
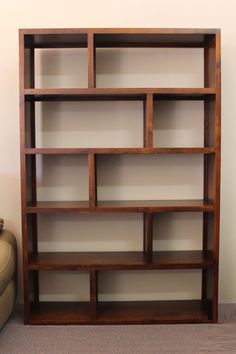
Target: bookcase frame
[{"x": 206, "y": 260}]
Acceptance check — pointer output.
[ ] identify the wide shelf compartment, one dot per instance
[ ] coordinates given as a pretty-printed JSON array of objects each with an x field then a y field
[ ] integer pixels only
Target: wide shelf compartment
[
  {"x": 160, "y": 67},
  {"x": 120, "y": 206},
  {"x": 93, "y": 124},
  {"x": 120, "y": 260},
  {"x": 149, "y": 177},
  {"x": 137, "y": 312}
]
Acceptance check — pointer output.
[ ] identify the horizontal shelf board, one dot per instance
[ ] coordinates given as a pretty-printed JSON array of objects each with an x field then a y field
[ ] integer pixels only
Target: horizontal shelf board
[
  {"x": 137, "y": 312},
  {"x": 77, "y": 151},
  {"x": 120, "y": 206},
  {"x": 120, "y": 260},
  {"x": 118, "y": 37},
  {"x": 77, "y": 94}
]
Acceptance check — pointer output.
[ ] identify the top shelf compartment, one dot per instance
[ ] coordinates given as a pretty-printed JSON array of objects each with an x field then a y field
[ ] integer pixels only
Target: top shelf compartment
[{"x": 114, "y": 58}]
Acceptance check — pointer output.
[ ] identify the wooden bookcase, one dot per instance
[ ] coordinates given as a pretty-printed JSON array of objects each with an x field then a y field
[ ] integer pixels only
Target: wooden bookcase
[{"x": 205, "y": 260}]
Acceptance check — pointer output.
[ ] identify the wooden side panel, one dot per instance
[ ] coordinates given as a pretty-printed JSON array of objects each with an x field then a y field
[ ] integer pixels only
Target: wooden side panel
[{"x": 212, "y": 171}]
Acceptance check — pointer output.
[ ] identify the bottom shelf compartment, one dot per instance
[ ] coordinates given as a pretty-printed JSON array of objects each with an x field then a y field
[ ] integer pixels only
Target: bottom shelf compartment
[{"x": 120, "y": 312}]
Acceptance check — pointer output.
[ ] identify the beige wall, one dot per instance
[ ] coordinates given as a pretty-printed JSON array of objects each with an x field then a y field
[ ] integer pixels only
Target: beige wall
[{"x": 23, "y": 14}]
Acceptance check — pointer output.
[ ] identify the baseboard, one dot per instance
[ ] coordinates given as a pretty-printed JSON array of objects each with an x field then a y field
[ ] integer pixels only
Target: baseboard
[{"x": 227, "y": 313}]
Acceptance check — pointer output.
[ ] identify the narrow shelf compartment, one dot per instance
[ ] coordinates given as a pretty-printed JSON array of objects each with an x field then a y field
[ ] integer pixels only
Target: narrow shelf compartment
[
  {"x": 137, "y": 312},
  {"x": 61, "y": 177},
  {"x": 69, "y": 67},
  {"x": 89, "y": 124},
  {"x": 120, "y": 260},
  {"x": 120, "y": 206}
]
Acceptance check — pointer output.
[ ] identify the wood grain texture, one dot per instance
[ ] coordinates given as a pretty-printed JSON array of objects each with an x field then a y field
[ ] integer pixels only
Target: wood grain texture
[
  {"x": 148, "y": 121},
  {"x": 92, "y": 180},
  {"x": 91, "y": 61},
  {"x": 77, "y": 151},
  {"x": 106, "y": 94},
  {"x": 56, "y": 313},
  {"x": 119, "y": 260},
  {"x": 120, "y": 206}
]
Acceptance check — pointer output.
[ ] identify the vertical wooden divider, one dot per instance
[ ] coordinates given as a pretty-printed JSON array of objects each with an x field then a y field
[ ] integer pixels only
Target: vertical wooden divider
[
  {"x": 93, "y": 292},
  {"x": 91, "y": 61},
  {"x": 148, "y": 236},
  {"x": 148, "y": 142},
  {"x": 92, "y": 180},
  {"x": 148, "y": 121}
]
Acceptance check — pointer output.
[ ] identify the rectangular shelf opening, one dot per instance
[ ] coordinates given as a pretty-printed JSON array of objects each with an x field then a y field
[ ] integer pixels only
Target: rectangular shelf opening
[
  {"x": 178, "y": 231},
  {"x": 149, "y": 285},
  {"x": 64, "y": 286},
  {"x": 61, "y": 68},
  {"x": 62, "y": 178},
  {"x": 157, "y": 67},
  {"x": 90, "y": 233},
  {"x": 178, "y": 124},
  {"x": 89, "y": 124},
  {"x": 152, "y": 177}
]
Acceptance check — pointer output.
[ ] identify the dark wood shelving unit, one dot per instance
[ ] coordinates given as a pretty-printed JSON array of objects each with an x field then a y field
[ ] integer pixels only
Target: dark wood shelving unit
[{"x": 206, "y": 260}]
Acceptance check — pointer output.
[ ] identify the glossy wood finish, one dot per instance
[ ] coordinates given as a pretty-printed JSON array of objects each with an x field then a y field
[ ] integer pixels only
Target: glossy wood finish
[
  {"x": 131, "y": 206},
  {"x": 105, "y": 94},
  {"x": 105, "y": 151},
  {"x": 120, "y": 260},
  {"x": 120, "y": 312},
  {"x": 92, "y": 180},
  {"x": 207, "y": 259}
]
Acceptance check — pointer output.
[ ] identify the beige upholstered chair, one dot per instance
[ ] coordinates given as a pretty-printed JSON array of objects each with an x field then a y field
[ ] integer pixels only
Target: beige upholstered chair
[{"x": 7, "y": 274}]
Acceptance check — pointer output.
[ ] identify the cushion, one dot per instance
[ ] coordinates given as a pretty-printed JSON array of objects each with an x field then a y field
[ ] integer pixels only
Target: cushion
[
  {"x": 7, "y": 300},
  {"x": 1, "y": 224},
  {"x": 7, "y": 258}
]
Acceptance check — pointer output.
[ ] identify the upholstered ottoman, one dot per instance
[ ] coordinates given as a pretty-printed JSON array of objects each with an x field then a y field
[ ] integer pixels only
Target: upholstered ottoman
[{"x": 7, "y": 273}]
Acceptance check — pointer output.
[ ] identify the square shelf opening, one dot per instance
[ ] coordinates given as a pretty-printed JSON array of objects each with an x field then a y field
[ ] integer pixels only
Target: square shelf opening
[
  {"x": 149, "y": 67},
  {"x": 65, "y": 286},
  {"x": 62, "y": 178},
  {"x": 180, "y": 231},
  {"x": 178, "y": 123},
  {"x": 61, "y": 68},
  {"x": 89, "y": 124},
  {"x": 149, "y": 177},
  {"x": 149, "y": 285},
  {"x": 90, "y": 233}
]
